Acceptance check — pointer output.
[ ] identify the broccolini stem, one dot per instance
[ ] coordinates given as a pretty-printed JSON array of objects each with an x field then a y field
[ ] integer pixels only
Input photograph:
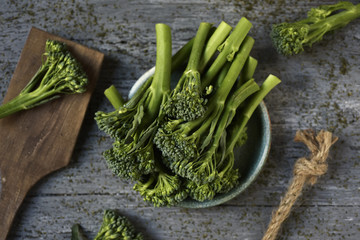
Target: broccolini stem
[
  {"x": 144, "y": 185},
  {"x": 254, "y": 101},
  {"x": 248, "y": 71},
  {"x": 235, "y": 69},
  {"x": 227, "y": 50},
  {"x": 11, "y": 107},
  {"x": 42, "y": 77},
  {"x": 192, "y": 68},
  {"x": 217, "y": 38},
  {"x": 338, "y": 20},
  {"x": 238, "y": 97},
  {"x": 161, "y": 82},
  {"x": 181, "y": 55},
  {"x": 231, "y": 105},
  {"x": 325, "y": 10},
  {"x": 114, "y": 96},
  {"x": 207, "y": 120},
  {"x": 198, "y": 47},
  {"x": 48, "y": 75},
  {"x": 27, "y": 101},
  {"x": 177, "y": 60},
  {"x": 36, "y": 79},
  {"x": 133, "y": 101}
]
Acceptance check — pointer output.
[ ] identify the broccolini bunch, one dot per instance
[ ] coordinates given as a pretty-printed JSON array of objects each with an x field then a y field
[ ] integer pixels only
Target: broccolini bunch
[
  {"x": 59, "y": 74},
  {"x": 291, "y": 38},
  {"x": 180, "y": 144}
]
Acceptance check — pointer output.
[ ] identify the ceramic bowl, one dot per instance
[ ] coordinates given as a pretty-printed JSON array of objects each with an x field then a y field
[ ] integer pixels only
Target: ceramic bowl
[{"x": 253, "y": 153}]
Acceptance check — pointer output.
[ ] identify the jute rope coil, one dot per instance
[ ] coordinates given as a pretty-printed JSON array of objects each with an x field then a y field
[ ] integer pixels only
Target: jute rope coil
[{"x": 306, "y": 171}]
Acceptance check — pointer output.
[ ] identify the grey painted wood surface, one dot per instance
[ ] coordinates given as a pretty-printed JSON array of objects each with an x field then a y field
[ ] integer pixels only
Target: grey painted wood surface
[{"x": 320, "y": 90}]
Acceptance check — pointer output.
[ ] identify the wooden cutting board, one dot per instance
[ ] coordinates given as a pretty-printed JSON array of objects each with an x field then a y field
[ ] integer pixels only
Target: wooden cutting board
[{"x": 38, "y": 141}]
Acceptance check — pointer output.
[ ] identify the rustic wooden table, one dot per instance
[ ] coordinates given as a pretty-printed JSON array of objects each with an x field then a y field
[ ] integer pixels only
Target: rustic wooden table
[{"x": 320, "y": 89}]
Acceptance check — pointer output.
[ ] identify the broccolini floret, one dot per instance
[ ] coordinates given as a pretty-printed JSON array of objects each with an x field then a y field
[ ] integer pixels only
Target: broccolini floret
[
  {"x": 201, "y": 192},
  {"x": 129, "y": 161},
  {"x": 59, "y": 74},
  {"x": 162, "y": 189},
  {"x": 292, "y": 38}
]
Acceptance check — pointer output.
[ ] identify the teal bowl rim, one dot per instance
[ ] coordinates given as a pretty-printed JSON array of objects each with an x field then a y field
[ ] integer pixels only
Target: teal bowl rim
[{"x": 244, "y": 182}]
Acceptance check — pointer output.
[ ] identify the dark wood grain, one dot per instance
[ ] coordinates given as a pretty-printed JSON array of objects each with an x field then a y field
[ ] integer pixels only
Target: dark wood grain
[{"x": 41, "y": 140}]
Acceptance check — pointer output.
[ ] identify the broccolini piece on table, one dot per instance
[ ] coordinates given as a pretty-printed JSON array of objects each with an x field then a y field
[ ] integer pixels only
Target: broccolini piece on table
[
  {"x": 132, "y": 153},
  {"x": 114, "y": 227},
  {"x": 77, "y": 233},
  {"x": 59, "y": 74},
  {"x": 117, "y": 227},
  {"x": 292, "y": 38},
  {"x": 182, "y": 141}
]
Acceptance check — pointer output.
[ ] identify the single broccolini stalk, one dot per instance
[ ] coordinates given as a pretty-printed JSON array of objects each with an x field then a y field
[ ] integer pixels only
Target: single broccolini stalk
[
  {"x": 59, "y": 74},
  {"x": 114, "y": 227},
  {"x": 186, "y": 100},
  {"x": 117, "y": 227},
  {"x": 291, "y": 38},
  {"x": 132, "y": 154}
]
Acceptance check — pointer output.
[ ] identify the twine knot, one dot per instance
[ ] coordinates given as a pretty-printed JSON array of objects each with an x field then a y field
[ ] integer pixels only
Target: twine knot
[
  {"x": 305, "y": 171},
  {"x": 310, "y": 169}
]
